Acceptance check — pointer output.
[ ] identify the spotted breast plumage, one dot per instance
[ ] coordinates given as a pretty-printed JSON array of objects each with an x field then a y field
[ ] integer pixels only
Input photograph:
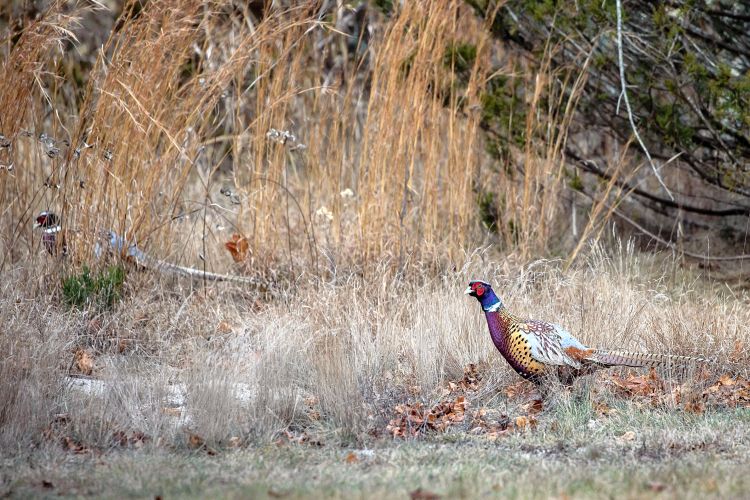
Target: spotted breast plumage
[{"x": 537, "y": 348}]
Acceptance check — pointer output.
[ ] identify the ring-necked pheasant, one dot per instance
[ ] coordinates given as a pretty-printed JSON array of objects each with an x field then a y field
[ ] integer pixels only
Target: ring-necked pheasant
[
  {"x": 51, "y": 233},
  {"x": 110, "y": 242},
  {"x": 537, "y": 348}
]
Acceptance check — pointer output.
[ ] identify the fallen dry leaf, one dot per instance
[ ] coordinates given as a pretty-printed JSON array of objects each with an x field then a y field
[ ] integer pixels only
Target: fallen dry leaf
[
  {"x": 524, "y": 422},
  {"x": 84, "y": 361},
  {"x": 495, "y": 435},
  {"x": 469, "y": 382},
  {"x": 729, "y": 391},
  {"x": 224, "y": 327},
  {"x": 603, "y": 409},
  {"x": 490, "y": 422},
  {"x": 195, "y": 441},
  {"x": 94, "y": 326},
  {"x": 413, "y": 420},
  {"x": 293, "y": 437},
  {"x": 628, "y": 436},
  {"x": 123, "y": 345},
  {"x": 634, "y": 385},
  {"x": 739, "y": 352},
  {"x": 238, "y": 247},
  {"x": 71, "y": 445},
  {"x": 172, "y": 411},
  {"x": 534, "y": 407},
  {"x": 198, "y": 443},
  {"x": 520, "y": 388},
  {"x": 696, "y": 407},
  {"x": 726, "y": 391},
  {"x": 471, "y": 378},
  {"x": 657, "y": 486},
  {"x": 312, "y": 412},
  {"x": 352, "y": 458},
  {"x": 136, "y": 439},
  {"x": 420, "y": 494},
  {"x": 650, "y": 386}
]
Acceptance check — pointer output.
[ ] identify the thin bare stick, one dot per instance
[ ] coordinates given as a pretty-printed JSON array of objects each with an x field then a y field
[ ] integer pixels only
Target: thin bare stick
[
  {"x": 661, "y": 240},
  {"x": 624, "y": 97}
]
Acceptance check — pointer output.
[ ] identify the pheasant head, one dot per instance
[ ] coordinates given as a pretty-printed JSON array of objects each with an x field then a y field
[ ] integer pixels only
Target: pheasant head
[
  {"x": 484, "y": 294},
  {"x": 49, "y": 223}
]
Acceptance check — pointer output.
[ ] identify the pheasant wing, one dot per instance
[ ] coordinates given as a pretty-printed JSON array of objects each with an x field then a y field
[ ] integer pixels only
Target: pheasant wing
[{"x": 547, "y": 343}]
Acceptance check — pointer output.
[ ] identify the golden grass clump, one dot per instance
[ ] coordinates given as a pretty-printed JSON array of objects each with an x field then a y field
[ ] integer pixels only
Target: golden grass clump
[
  {"x": 327, "y": 150},
  {"x": 180, "y": 108},
  {"x": 332, "y": 362}
]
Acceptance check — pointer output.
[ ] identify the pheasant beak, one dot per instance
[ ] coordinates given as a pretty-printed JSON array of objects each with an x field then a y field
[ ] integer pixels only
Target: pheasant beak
[
  {"x": 36, "y": 224},
  {"x": 468, "y": 291}
]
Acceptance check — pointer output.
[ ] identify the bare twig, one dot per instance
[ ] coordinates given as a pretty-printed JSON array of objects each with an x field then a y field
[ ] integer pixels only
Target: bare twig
[
  {"x": 624, "y": 97},
  {"x": 661, "y": 240},
  {"x": 591, "y": 167}
]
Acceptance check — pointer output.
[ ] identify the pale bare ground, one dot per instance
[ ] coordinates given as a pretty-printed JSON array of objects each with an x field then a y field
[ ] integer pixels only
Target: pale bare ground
[{"x": 197, "y": 392}]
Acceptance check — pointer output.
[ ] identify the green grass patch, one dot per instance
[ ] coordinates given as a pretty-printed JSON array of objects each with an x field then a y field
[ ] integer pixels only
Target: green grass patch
[{"x": 101, "y": 289}]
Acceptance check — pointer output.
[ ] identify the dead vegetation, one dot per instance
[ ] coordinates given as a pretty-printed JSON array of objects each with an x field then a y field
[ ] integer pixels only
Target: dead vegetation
[
  {"x": 213, "y": 124},
  {"x": 352, "y": 362},
  {"x": 351, "y": 175}
]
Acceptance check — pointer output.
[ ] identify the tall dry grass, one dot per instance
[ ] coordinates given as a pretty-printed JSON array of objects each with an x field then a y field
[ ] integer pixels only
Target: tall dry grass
[
  {"x": 386, "y": 160},
  {"x": 179, "y": 104},
  {"x": 330, "y": 363}
]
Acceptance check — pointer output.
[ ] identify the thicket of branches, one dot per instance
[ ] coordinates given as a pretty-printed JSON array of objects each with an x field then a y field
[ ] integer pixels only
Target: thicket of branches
[{"x": 687, "y": 68}]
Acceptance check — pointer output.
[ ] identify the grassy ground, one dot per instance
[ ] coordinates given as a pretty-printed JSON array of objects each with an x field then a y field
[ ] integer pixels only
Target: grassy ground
[{"x": 672, "y": 456}]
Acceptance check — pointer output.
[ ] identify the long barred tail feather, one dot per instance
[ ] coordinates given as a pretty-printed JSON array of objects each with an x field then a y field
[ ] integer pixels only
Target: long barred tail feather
[
  {"x": 119, "y": 245},
  {"x": 163, "y": 266},
  {"x": 643, "y": 360}
]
